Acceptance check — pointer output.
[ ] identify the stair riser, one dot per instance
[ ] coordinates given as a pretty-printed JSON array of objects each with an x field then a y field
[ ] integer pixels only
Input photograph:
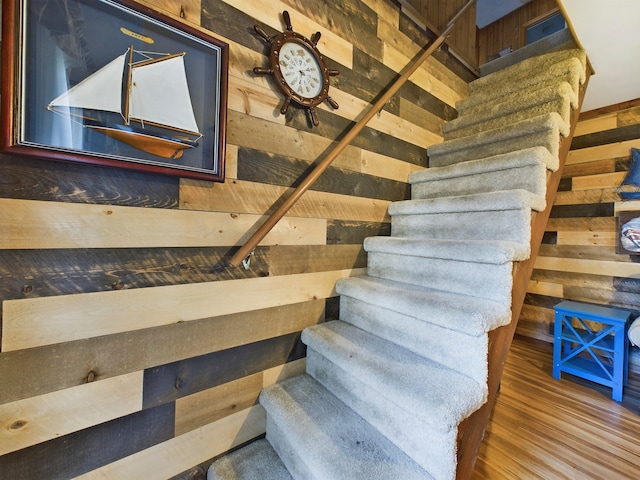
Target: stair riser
[
  {"x": 530, "y": 178},
  {"x": 288, "y": 453},
  {"x": 428, "y": 447},
  {"x": 560, "y": 106},
  {"x": 546, "y": 138},
  {"x": 458, "y": 351},
  {"x": 511, "y": 225},
  {"x": 481, "y": 280}
]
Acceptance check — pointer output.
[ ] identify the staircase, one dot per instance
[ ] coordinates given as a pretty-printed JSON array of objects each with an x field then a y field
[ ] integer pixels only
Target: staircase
[{"x": 388, "y": 385}]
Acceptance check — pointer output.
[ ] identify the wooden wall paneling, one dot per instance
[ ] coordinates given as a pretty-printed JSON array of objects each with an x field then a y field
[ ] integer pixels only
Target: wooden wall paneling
[
  {"x": 37, "y": 419},
  {"x": 33, "y": 224},
  {"x": 207, "y": 406},
  {"x": 619, "y": 134},
  {"x": 385, "y": 167},
  {"x": 48, "y": 272},
  {"x": 22, "y": 178},
  {"x": 29, "y": 373},
  {"x": 255, "y": 133},
  {"x": 586, "y": 196},
  {"x": 166, "y": 383},
  {"x": 288, "y": 260},
  {"x": 34, "y": 322},
  {"x": 74, "y": 454},
  {"x": 253, "y": 197},
  {"x": 179, "y": 454},
  {"x": 602, "y": 152},
  {"x": 345, "y": 232},
  {"x": 257, "y": 166}
]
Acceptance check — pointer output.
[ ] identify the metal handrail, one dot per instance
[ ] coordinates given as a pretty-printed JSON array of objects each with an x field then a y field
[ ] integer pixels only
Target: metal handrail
[{"x": 245, "y": 251}]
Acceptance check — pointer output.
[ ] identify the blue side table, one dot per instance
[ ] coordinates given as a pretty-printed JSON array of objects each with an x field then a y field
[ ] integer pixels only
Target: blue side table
[{"x": 590, "y": 341}]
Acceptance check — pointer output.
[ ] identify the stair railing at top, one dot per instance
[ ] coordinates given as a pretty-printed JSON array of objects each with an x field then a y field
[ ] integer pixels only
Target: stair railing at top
[{"x": 246, "y": 250}]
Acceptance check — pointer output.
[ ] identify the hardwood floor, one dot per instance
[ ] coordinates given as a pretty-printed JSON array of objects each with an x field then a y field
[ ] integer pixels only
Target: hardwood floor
[{"x": 542, "y": 428}]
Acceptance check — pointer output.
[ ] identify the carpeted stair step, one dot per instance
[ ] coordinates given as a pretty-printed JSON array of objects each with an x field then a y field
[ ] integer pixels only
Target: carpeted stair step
[
  {"x": 413, "y": 401},
  {"x": 512, "y": 109},
  {"x": 469, "y": 315},
  {"x": 532, "y": 68},
  {"x": 469, "y": 267},
  {"x": 484, "y": 216},
  {"x": 318, "y": 437},
  {"x": 456, "y": 350},
  {"x": 258, "y": 460},
  {"x": 522, "y": 169},
  {"x": 536, "y": 131},
  {"x": 570, "y": 70}
]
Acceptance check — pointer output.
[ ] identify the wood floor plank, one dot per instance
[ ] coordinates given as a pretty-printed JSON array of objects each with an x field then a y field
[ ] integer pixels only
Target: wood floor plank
[{"x": 558, "y": 429}]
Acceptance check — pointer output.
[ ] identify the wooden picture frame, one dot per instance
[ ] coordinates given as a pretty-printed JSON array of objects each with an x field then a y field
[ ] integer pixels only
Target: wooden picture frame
[{"x": 111, "y": 82}]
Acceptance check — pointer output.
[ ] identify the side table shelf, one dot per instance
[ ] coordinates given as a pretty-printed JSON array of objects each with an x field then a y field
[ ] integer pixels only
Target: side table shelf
[{"x": 590, "y": 341}]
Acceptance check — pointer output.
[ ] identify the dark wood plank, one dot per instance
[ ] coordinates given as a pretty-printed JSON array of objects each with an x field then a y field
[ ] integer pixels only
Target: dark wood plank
[
  {"x": 335, "y": 127},
  {"x": 262, "y": 167},
  {"x": 42, "y": 273},
  {"x": 36, "y": 179},
  {"x": 80, "y": 452},
  {"x": 169, "y": 382},
  {"x": 31, "y": 372},
  {"x": 349, "y": 232},
  {"x": 614, "y": 135},
  {"x": 583, "y": 210},
  {"x": 287, "y": 260}
]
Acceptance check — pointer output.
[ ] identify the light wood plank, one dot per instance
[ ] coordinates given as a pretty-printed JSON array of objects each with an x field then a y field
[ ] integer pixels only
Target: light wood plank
[
  {"x": 606, "y": 239},
  {"x": 593, "y": 267},
  {"x": 597, "y": 124},
  {"x": 37, "y": 419},
  {"x": 545, "y": 288},
  {"x": 603, "y": 180},
  {"x": 626, "y": 206},
  {"x": 582, "y": 224},
  {"x": 47, "y": 320},
  {"x": 373, "y": 163},
  {"x": 181, "y": 453},
  {"x": 32, "y": 224},
  {"x": 592, "y": 195},
  {"x": 251, "y": 198},
  {"x": 385, "y": 9},
  {"x": 602, "y": 152},
  {"x": 270, "y": 13},
  {"x": 282, "y": 372}
]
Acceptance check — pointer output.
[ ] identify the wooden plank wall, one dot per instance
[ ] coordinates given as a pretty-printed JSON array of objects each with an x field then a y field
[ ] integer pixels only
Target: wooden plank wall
[
  {"x": 578, "y": 259},
  {"x": 126, "y": 350},
  {"x": 436, "y": 14},
  {"x": 508, "y": 32}
]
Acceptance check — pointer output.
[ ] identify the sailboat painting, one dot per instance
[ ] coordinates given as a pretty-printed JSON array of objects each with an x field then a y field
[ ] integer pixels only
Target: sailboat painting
[
  {"x": 117, "y": 84},
  {"x": 151, "y": 96}
]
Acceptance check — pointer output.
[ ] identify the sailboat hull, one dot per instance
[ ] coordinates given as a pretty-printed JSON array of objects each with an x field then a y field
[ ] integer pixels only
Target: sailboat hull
[{"x": 162, "y": 146}]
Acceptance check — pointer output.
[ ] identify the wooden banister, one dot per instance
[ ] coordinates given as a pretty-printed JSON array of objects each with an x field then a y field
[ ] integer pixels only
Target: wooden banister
[{"x": 275, "y": 217}]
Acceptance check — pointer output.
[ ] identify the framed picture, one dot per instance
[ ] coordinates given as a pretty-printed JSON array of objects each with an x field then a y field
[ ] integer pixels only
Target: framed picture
[{"x": 111, "y": 82}]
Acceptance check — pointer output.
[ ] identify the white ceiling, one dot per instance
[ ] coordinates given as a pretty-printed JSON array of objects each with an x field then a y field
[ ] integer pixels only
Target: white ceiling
[{"x": 608, "y": 31}]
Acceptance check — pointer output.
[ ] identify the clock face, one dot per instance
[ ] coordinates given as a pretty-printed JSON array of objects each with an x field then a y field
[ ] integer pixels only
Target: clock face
[{"x": 300, "y": 69}]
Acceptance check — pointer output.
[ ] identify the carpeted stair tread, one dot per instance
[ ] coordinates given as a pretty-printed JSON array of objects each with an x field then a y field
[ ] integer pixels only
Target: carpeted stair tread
[
  {"x": 477, "y": 251},
  {"x": 511, "y": 109},
  {"x": 531, "y": 68},
  {"x": 258, "y": 460},
  {"x": 469, "y": 315},
  {"x": 543, "y": 131},
  {"x": 520, "y": 170},
  {"x": 569, "y": 70},
  {"x": 478, "y": 202},
  {"x": 561, "y": 40},
  {"x": 456, "y": 350},
  {"x": 435, "y": 395},
  {"x": 319, "y": 437}
]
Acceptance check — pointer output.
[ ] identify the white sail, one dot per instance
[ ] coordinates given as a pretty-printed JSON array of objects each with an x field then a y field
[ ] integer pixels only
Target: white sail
[
  {"x": 100, "y": 91},
  {"x": 160, "y": 94}
]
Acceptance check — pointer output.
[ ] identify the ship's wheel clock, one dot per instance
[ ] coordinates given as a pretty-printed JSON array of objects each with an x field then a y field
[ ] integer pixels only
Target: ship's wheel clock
[{"x": 298, "y": 69}]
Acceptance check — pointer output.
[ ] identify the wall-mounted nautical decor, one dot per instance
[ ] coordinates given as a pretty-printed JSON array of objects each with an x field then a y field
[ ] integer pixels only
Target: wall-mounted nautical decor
[
  {"x": 114, "y": 83},
  {"x": 298, "y": 68}
]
